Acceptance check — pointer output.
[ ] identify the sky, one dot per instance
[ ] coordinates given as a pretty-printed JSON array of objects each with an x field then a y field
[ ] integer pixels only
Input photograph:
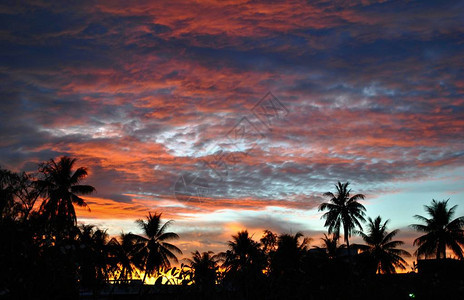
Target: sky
[{"x": 226, "y": 115}]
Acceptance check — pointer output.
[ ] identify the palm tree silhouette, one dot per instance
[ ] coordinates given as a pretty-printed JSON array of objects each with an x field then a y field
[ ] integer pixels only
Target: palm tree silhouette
[
  {"x": 124, "y": 259},
  {"x": 61, "y": 187},
  {"x": 156, "y": 252},
  {"x": 290, "y": 250},
  {"x": 204, "y": 268},
  {"x": 244, "y": 253},
  {"x": 440, "y": 231},
  {"x": 343, "y": 210},
  {"x": 244, "y": 263},
  {"x": 380, "y": 247},
  {"x": 93, "y": 256},
  {"x": 331, "y": 246}
]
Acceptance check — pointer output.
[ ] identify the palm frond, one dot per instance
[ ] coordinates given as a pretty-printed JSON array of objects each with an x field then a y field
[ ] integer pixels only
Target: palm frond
[{"x": 82, "y": 189}]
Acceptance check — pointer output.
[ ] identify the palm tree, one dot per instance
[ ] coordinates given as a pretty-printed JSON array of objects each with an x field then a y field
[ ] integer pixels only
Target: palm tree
[
  {"x": 244, "y": 253},
  {"x": 204, "y": 267},
  {"x": 124, "y": 258},
  {"x": 93, "y": 255},
  {"x": 331, "y": 246},
  {"x": 287, "y": 258},
  {"x": 61, "y": 187},
  {"x": 440, "y": 231},
  {"x": 156, "y": 252},
  {"x": 343, "y": 210},
  {"x": 244, "y": 263},
  {"x": 380, "y": 247}
]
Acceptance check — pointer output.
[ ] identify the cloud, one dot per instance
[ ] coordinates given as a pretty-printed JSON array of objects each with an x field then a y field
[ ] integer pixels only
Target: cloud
[{"x": 142, "y": 93}]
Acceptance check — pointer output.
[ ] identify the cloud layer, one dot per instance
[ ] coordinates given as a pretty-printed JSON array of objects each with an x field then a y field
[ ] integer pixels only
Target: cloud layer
[{"x": 148, "y": 93}]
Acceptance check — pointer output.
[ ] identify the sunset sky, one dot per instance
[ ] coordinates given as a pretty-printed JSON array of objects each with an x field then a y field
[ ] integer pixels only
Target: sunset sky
[{"x": 148, "y": 94}]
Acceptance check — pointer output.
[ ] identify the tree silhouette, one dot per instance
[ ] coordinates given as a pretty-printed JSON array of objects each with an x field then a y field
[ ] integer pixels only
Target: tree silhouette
[
  {"x": 27, "y": 193},
  {"x": 287, "y": 268},
  {"x": 331, "y": 246},
  {"x": 343, "y": 210},
  {"x": 268, "y": 241},
  {"x": 124, "y": 260},
  {"x": 8, "y": 207},
  {"x": 93, "y": 256},
  {"x": 441, "y": 231},
  {"x": 269, "y": 245},
  {"x": 244, "y": 253},
  {"x": 245, "y": 262},
  {"x": 204, "y": 268},
  {"x": 61, "y": 187},
  {"x": 156, "y": 251},
  {"x": 381, "y": 249},
  {"x": 39, "y": 261},
  {"x": 287, "y": 258}
]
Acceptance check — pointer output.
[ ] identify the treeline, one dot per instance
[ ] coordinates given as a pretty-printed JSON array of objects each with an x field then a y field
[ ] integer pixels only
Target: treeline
[{"x": 46, "y": 255}]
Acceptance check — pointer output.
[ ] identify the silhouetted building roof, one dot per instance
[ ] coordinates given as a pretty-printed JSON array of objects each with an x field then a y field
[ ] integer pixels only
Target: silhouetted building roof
[{"x": 443, "y": 267}]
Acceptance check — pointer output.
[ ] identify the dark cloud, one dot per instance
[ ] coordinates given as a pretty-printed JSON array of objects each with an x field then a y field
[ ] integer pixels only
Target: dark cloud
[{"x": 138, "y": 92}]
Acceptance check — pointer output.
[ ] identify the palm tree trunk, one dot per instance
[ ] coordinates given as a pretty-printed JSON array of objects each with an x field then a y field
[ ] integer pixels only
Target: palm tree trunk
[
  {"x": 347, "y": 242},
  {"x": 441, "y": 251},
  {"x": 144, "y": 275}
]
